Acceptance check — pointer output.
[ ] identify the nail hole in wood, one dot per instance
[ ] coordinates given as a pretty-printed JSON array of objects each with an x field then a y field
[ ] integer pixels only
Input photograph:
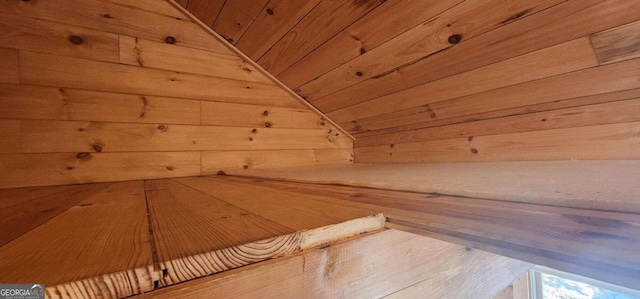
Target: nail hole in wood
[
  {"x": 170, "y": 40},
  {"x": 107, "y": 16},
  {"x": 265, "y": 113},
  {"x": 267, "y": 125},
  {"x": 270, "y": 11}
]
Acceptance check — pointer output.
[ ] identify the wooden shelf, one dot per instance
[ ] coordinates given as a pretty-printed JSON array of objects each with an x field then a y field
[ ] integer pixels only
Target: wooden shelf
[
  {"x": 600, "y": 185},
  {"x": 126, "y": 238}
]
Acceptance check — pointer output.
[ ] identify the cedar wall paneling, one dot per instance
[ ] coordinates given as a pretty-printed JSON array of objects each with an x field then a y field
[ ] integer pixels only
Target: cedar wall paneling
[{"x": 97, "y": 91}]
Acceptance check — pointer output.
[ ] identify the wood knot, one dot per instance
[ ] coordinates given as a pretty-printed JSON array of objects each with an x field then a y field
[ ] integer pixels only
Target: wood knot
[
  {"x": 245, "y": 166},
  {"x": 170, "y": 40},
  {"x": 106, "y": 16},
  {"x": 265, "y": 113},
  {"x": 250, "y": 138},
  {"x": 322, "y": 123},
  {"x": 230, "y": 40},
  {"x": 474, "y": 151},
  {"x": 170, "y": 168},
  {"x": 83, "y": 156},
  {"x": 162, "y": 128},
  {"x": 76, "y": 40},
  {"x": 270, "y": 11},
  {"x": 267, "y": 125},
  {"x": 254, "y": 131},
  {"x": 470, "y": 138},
  {"x": 220, "y": 172},
  {"x": 454, "y": 39},
  {"x": 391, "y": 145},
  {"x": 97, "y": 148},
  {"x": 70, "y": 168},
  {"x": 362, "y": 51},
  {"x": 359, "y": 74}
]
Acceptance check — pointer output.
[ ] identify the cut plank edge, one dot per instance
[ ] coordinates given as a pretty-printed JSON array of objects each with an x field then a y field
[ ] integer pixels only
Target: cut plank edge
[
  {"x": 257, "y": 67},
  {"x": 145, "y": 279}
]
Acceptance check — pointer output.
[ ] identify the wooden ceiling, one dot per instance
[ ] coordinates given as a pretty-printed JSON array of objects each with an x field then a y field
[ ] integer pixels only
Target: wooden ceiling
[{"x": 387, "y": 69}]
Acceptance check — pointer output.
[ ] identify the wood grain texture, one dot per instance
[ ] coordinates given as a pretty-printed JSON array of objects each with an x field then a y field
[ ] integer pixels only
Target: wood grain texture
[
  {"x": 79, "y": 168},
  {"x": 267, "y": 29},
  {"x": 534, "y": 108},
  {"x": 43, "y": 69},
  {"x": 609, "y": 113},
  {"x": 10, "y": 67},
  {"x": 348, "y": 270},
  {"x": 536, "y": 233},
  {"x": 369, "y": 32},
  {"x": 601, "y": 142},
  {"x": 70, "y": 136},
  {"x": 214, "y": 162},
  {"x": 114, "y": 220},
  {"x": 27, "y": 208},
  {"x": 39, "y": 102},
  {"x": 597, "y": 185},
  {"x": 236, "y": 16},
  {"x": 466, "y": 20},
  {"x": 206, "y": 10},
  {"x": 54, "y": 38},
  {"x": 324, "y": 21},
  {"x": 617, "y": 44},
  {"x": 122, "y": 19},
  {"x": 558, "y": 24},
  {"x": 140, "y": 52},
  {"x": 241, "y": 115},
  {"x": 564, "y": 58}
]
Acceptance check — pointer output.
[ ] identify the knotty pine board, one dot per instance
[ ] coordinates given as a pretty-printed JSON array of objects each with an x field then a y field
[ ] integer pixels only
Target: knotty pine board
[
  {"x": 542, "y": 107},
  {"x": 325, "y": 20},
  {"x": 138, "y": 230},
  {"x": 467, "y": 20},
  {"x": 51, "y": 103},
  {"x": 380, "y": 25},
  {"x": 597, "y": 114},
  {"x": 267, "y": 29},
  {"x": 383, "y": 265},
  {"x": 555, "y": 25},
  {"x": 564, "y": 58},
  {"x": 113, "y": 17},
  {"x": 160, "y": 55},
  {"x": 242, "y": 115}
]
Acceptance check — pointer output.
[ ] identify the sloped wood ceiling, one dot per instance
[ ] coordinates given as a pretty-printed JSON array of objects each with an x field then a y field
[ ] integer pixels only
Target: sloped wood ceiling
[
  {"x": 98, "y": 90},
  {"x": 454, "y": 80}
]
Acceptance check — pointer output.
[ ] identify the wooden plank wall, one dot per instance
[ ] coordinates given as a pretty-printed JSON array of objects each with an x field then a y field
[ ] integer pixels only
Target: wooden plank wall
[
  {"x": 455, "y": 81},
  {"x": 96, "y": 91}
]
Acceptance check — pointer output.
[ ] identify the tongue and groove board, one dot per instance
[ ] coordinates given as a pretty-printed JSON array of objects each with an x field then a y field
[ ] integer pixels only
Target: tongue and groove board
[{"x": 120, "y": 239}]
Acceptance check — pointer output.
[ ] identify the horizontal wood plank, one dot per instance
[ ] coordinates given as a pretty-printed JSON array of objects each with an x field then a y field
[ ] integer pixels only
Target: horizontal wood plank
[
  {"x": 71, "y": 136},
  {"x": 80, "y": 168},
  {"x": 22, "y": 33},
  {"x": 602, "y": 142},
  {"x": 467, "y": 20},
  {"x": 241, "y": 115},
  {"x": 119, "y": 19},
  {"x": 221, "y": 161},
  {"x": 617, "y": 44},
  {"x": 564, "y": 58},
  {"x": 609, "y": 113},
  {"x": 42, "y": 69},
  {"x": 9, "y": 60},
  {"x": 10, "y": 141},
  {"x": 39, "y": 102},
  {"x": 140, "y": 52}
]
